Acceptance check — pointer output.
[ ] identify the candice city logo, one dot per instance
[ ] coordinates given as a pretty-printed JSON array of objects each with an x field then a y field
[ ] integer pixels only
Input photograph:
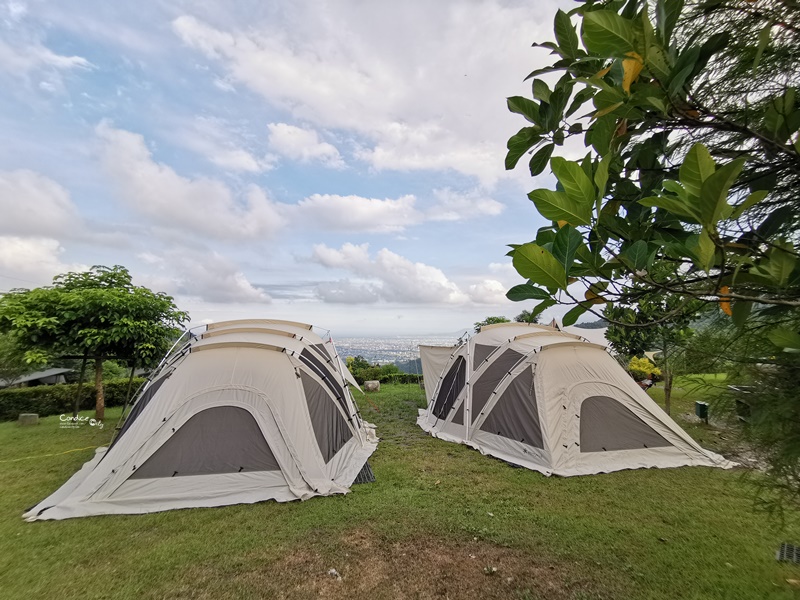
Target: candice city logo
[{"x": 70, "y": 422}]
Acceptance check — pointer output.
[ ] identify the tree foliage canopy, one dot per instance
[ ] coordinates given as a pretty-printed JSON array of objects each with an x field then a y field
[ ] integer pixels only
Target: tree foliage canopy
[
  {"x": 691, "y": 119},
  {"x": 96, "y": 313}
]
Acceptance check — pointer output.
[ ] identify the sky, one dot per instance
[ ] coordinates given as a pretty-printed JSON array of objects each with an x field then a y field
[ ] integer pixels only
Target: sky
[{"x": 334, "y": 163}]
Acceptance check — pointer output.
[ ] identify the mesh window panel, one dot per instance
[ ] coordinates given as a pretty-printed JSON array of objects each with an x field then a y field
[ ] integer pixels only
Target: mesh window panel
[
  {"x": 515, "y": 414},
  {"x": 487, "y": 382},
  {"x": 480, "y": 354},
  {"x": 140, "y": 405},
  {"x": 451, "y": 387},
  {"x": 327, "y": 374},
  {"x": 330, "y": 428},
  {"x": 223, "y": 439},
  {"x": 608, "y": 425}
]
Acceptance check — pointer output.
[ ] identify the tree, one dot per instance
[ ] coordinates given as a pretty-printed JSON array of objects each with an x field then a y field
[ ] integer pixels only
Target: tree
[
  {"x": 693, "y": 127},
  {"x": 12, "y": 359},
  {"x": 489, "y": 321},
  {"x": 96, "y": 315},
  {"x": 526, "y": 316},
  {"x": 691, "y": 117}
]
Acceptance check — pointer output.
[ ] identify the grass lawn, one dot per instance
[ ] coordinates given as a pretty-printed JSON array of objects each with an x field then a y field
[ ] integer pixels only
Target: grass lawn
[{"x": 438, "y": 516}]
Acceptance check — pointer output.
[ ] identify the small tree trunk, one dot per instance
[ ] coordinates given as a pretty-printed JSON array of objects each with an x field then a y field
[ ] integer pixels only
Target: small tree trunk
[
  {"x": 667, "y": 388},
  {"x": 100, "y": 402},
  {"x": 77, "y": 403}
]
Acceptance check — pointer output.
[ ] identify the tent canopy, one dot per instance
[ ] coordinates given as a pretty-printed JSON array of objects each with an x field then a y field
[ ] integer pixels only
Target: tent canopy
[
  {"x": 550, "y": 401},
  {"x": 243, "y": 412}
]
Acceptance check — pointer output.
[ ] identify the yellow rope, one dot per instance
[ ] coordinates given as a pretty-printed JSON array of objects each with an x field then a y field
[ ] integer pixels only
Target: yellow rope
[{"x": 46, "y": 455}]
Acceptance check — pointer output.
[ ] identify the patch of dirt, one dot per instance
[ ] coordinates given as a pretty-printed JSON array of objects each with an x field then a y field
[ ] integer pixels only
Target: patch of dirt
[{"x": 361, "y": 565}]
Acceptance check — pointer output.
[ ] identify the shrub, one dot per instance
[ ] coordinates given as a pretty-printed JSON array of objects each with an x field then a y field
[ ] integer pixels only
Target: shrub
[
  {"x": 58, "y": 399},
  {"x": 641, "y": 369}
]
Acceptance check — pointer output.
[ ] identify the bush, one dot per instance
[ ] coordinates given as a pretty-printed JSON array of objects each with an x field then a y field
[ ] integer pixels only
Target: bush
[
  {"x": 58, "y": 399},
  {"x": 641, "y": 369}
]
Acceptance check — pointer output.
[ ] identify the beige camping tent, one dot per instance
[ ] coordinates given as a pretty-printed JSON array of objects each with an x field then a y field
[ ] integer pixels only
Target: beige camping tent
[
  {"x": 548, "y": 400},
  {"x": 242, "y": 412}
]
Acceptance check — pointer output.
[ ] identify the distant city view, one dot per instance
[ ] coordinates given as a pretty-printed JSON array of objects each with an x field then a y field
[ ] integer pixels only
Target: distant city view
[{"x": 389, "y": 349}]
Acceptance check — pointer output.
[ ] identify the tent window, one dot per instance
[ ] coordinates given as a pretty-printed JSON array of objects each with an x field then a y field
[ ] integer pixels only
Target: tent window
[
  {"x": 487, "y": 382},
  {"x": 608, "y": 425},
  {"x": 330, "y": 427},
  {"x": 223, "y": 439},
  {"x": 515, "y": 415},
  {"x": 140, "y": 405},
  {"x": 458, "y": 418},
  {"x": 325, "y": 373},
  {"x": 480, "y": 354},
  {"x": 451, "y": 387}
]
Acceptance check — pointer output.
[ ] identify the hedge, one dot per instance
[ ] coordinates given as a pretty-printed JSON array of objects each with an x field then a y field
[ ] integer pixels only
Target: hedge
[{"x": 58, "y": 399}]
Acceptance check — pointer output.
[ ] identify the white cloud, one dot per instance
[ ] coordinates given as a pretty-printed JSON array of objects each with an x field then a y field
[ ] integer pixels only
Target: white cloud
[
  {"x": 31, "y": 261},
  {"x": 406, "y": 80},
  {"x": 215, "y": 140},
  {"x": 488, "y": 291},
  {"x": 392, "y": 277},
  {"x": 303, "y": 145},
  {"x": 207, "y": 276},
  {"x": 346, "y": 291},
  {"x": 21, "y": 60},
  {"x": 454, "y": 206},
  {"x": 32, "y": 204},
  {"x": 200, "y": 204},
  {"x": 354, "y": 213}
]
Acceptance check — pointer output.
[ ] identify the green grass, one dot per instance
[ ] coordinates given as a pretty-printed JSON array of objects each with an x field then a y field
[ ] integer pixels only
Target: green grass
[{"x": 671, "y": 533}]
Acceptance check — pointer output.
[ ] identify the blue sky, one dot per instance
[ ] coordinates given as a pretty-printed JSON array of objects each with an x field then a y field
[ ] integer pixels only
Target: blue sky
[{"x": 335, "y": 163}]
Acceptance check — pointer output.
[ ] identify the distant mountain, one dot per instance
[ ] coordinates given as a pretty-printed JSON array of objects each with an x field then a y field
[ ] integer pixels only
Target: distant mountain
[
  {"x": 599, "y": 324},
  {"x": 410, "y": 366}
]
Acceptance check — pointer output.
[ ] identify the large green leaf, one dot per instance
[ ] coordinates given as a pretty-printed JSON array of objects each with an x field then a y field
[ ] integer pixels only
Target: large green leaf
[
  {"x": 696, "y": 168},
  {"x": 785, "y": 338},
  {"x": 574, "y": 181},
  {"x": 741, "y": 310},
  {"x": 636, "y": 255},
  {"x": 674, "y": 205},
  {"x": 667, "y": 13},
  {"x": 566, "y": 36},
  {"x": 606, "y": 33},
  {"x": 522, "y": 106},
  {"x": 573, "y": 314},
  {"x": 526, "y": 291},
  {"x": 567, "y": 241},
  {"x": 542, "y": 306},
  {"x": 749, "y": 202},
  {"x": 537, "y": 264},
  {"x": 520, "y": 143},
  {"x": 539, "y": 160},
  {"x": 714, "y": 192},
  {"x": 557, "y": 206}
]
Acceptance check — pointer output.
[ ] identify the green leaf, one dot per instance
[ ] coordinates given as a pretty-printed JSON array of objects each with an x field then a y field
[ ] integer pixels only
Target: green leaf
[
  {"x": 714, "y": 192},
  {"x": 636, "y": 255},
  {"x": 785, "y": 338},
  {"x": 519, "y": 144},
  {"x": 667, "y": 14},
  {"x": 606, "y": 33},
  {"x": 749, "y": 202},
  {"x": 537, "y": 264},
  {"x": 781, "y": 262},
  {"x": 696, "y": 168},
  {"x": 574, "y": 181},
  {"x": 581, "y": 97},
  {"x": 557, "y": 206},
  {"x": 741, "y": 311},
  {"x": 573, "y": 314},
  {"x": 674, "y": 205},
  {"x": 763, "y": 42},
  {"x": 540, "y": 159},
  {"x": 702, "y": 250},
  {"x": 566, "y": 36},
  {"x": 541, "y": 91},
  {"x": 541, "y": 307},
  {"x": 566, "y": 243},
  {"x": 522, "y": 106},
  {"x": 526, "y": 291},
  {"x": 601, "y": 178}
]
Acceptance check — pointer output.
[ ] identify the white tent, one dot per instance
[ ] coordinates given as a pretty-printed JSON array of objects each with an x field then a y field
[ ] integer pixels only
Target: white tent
[
  {"x": 244, "y": 412},
  {"x": 549, "y": 401}
]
